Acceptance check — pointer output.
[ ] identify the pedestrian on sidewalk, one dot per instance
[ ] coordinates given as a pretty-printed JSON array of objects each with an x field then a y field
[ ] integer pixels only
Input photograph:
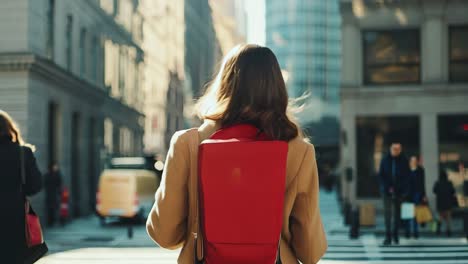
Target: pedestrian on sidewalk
[
  {"x": 445, "y": 193},
  {"x": 417, "y": 193},
  {"x": 249, "y": 89},
  {"x": 394, "y": 187},
  {"x": 464, "y": 177},
  {"x": 12, "y": 193},
  {"x": 53, "y": 184}
]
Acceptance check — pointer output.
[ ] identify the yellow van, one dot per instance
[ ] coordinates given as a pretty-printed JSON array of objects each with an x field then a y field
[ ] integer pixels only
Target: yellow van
[{"x": 126, "y": 189}]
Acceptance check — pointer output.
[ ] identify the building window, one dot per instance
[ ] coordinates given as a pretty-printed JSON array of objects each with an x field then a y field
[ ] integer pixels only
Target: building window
[
  {"x": 54, "y": 127},
  {"x": 107, "y": 5},
  {"x": 83, "y": 52},
  {"x": 126, "y": 141},
  {"x": 458, "y": 63},
  {"x": 116, "y": 8},
  {"x": 50, "y": 29},
  {"x": 122, "y": 72},
  {"x": 95, "y": 58},
  {"x": 168, "y": 123},
  {"x": 137, "y": 90},
  {"x": 391, "y": 56},
  {"x": 76, "y": 157},
  {"x": 109, "y": 135},
  {"x": 173, "y": 95},
  {"x": 69, "y": 41},
  {"x": 110, "y": 66}
]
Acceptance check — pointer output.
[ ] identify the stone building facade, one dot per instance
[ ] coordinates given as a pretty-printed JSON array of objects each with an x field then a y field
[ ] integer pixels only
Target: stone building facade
[
  {"x": 404, "y": 79},
  {"x": 70, "y": 73}
]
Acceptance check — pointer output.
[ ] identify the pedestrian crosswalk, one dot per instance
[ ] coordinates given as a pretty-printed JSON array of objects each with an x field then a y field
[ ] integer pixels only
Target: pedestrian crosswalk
[
  {"x": 85, "y": 242},
  {"x": 365, "y": 250},
  {"x": 368, "y": 249}
]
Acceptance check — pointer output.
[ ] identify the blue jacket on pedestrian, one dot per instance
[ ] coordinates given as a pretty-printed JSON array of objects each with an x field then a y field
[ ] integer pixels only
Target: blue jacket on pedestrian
[
  {"x": 417, "y": 185},
  {"x": 394, "y": 174}
]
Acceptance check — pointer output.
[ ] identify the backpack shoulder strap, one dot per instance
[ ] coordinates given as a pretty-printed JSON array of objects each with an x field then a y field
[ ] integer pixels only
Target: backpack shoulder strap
[{"x": 197, "y": 236}]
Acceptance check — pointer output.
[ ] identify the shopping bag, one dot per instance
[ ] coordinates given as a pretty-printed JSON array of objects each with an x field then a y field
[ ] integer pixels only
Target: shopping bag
[
  {"x": 423, "y": 214},
  {"x": 407, "y": 211},
  {"x": 367, "y": 214}
]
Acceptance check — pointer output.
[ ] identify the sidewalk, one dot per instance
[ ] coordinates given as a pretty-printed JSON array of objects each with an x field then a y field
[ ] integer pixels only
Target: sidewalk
[{"x": 87, "y": 233}]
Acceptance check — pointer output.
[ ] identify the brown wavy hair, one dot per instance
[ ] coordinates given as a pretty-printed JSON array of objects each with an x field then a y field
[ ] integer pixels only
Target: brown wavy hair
[
  {"x": 9, "y": 129},
  {"x": 249, "y": 88}
]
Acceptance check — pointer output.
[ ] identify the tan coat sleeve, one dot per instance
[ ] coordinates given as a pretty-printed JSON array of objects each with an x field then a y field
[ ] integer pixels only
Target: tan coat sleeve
[
  {"x": 308, "y": 238},
  {"x": 167, "y": 221}
]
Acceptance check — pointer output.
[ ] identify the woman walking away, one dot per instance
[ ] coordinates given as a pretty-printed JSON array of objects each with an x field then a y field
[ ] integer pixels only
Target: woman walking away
[
  {"x": 249, "y": 89},
  {"x": 445, "y": 193},
  {"x": 12, "y": 222}
]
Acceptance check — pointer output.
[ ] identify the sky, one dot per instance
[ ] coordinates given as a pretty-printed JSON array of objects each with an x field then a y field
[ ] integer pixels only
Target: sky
[{"x": 255, "y": 21}]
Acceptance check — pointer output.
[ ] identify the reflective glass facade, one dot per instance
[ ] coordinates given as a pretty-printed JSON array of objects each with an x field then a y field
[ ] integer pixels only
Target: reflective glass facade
[{"x": 306, "y": 37}]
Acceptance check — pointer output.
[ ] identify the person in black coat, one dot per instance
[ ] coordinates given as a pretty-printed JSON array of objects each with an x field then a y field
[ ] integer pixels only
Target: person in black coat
[
  {"x": 12, "y": 193},
  {"x": 417, "y": 192},
  {"x": 53, "y": 188},
  {"x": 445, "y": 200},
  {"x": 394, "y": 187}
]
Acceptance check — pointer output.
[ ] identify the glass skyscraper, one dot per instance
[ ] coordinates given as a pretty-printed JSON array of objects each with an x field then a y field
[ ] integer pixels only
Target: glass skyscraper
[{"x": 306, "y": 37}]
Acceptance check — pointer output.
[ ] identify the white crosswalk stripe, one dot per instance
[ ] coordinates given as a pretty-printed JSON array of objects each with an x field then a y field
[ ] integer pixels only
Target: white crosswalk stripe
[
  {"x": 367, "y": 249},
  {"x": 113, "y": 255},
  {"x": 340, "y": 251}
]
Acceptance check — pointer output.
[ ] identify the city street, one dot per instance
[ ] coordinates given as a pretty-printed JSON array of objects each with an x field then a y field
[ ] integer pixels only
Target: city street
[
  {"x": 85, "y": 241},
  {"x": 100, "y": 101}
]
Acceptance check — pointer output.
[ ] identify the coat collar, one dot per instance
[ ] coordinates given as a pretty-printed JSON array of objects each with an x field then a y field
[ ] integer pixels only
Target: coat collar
[{"x": 208, "y": 128}]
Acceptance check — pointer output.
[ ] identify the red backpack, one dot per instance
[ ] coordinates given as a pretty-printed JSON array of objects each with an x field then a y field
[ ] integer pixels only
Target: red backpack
[{"x": 241, "y": 192}]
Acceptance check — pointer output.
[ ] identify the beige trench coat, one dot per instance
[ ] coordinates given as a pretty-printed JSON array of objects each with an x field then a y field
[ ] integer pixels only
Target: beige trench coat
[{"x": 173, "y": 220}]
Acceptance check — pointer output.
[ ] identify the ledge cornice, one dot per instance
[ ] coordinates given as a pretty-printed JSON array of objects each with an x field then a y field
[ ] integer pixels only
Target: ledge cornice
[
  {"x": 70, "y": 83},
  {"x": 442, "y": 89}
]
